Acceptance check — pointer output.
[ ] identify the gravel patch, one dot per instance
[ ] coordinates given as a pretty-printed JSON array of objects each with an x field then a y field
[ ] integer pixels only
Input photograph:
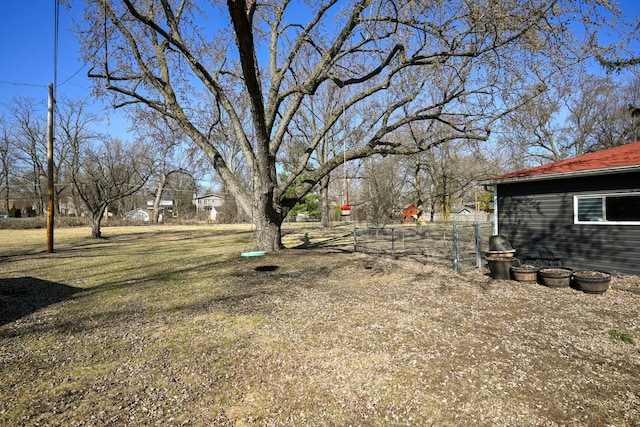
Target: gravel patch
[{"x": 320, "y": 337}]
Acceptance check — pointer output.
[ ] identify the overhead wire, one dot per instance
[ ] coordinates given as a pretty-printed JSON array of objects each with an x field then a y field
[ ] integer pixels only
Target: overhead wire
[
  {"x": 55, "y": 45},
  {"x": 5, "y": 82}
]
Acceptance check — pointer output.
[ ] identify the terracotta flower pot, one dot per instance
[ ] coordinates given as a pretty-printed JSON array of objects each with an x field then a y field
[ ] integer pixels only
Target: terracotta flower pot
[
  {"x": 524, "y": 273},
  {"x": 592, "y": 282},
  {"x": 497, "y": 254},
  {"x": 555, "y": 277}
]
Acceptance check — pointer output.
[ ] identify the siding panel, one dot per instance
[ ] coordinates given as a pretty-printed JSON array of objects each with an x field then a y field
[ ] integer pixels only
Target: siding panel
[{"x": 539, "y": 214}]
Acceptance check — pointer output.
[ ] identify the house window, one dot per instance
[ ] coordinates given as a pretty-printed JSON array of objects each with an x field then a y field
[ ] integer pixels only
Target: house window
[{"x": 607, "y": 209}]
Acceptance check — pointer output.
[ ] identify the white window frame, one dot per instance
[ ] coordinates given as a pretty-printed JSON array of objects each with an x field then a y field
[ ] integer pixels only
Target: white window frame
[{"x": 602, "y": 197}]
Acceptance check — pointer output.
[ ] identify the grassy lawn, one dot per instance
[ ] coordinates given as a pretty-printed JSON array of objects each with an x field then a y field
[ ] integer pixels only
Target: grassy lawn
[{"x": 170, "y": 326}]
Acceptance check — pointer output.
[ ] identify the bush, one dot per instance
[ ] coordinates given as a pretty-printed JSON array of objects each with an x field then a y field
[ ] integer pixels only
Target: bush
[
  {"x": 13, "y": 223},
  {"x": 41, "y": 222},
  {"x": 14, "y": 212}
]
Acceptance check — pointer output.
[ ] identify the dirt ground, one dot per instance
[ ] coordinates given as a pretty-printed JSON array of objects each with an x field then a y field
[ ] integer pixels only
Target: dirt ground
[{"x": 318, "y": 336}]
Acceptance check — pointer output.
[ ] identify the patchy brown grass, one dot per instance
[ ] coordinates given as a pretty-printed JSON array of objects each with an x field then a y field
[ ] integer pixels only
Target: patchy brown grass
[{"x": 170, "y": 326}]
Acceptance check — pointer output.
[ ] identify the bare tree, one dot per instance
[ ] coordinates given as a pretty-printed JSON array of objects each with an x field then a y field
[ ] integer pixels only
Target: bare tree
[
  {"x": 535, "y": 129},
  {"x": 6, "y": 161},
  {"x": 167, "y": 142},
  {"x": 462, "y": 63},
  {"x": 385, "y": 181},
  {"x": 617, "y": 65},
  {"x": 587, "y": 104},
  {"x": 445, "y": 175},
  {"x": 73, "y": 123},
  {"x": 312, "y": 118},
  {"x": 618, "y": 120},
  {"x": 580, "y": 114},
  {"x": 107, "y": 172},
  {"x": 28, "y": 130}
]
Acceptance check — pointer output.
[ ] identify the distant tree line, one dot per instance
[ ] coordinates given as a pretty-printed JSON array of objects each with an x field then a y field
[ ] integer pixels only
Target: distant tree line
[
  {"x": 287, "y": 98},
  {"x": 95, "y": 173}
]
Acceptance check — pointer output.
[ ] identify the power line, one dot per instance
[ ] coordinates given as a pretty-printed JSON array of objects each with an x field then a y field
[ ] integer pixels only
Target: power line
[
  {"x": 72, "y": 75},
  {"x": 21, "y": 84},
  {"x": 55, "y": 44}
]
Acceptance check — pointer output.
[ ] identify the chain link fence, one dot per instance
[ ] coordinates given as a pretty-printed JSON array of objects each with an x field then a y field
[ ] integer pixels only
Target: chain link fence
[{"x": 458, "y": 246}]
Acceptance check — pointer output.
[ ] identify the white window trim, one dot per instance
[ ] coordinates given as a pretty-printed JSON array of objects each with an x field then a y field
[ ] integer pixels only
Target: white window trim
[{"x": 601, "y": 195}]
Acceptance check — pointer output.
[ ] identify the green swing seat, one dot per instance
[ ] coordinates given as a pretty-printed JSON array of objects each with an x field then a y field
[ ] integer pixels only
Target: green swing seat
[{"x": 253, "y": 253}]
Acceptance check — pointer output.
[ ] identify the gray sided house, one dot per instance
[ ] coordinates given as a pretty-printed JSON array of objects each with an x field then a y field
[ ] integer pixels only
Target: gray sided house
[
  {"x": 585, "y": 210},
  {"x": 209, "y": 204}
]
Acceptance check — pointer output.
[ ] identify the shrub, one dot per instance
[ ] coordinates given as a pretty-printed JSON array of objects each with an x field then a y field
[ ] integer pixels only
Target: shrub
[{"x": 622, "y": 336}]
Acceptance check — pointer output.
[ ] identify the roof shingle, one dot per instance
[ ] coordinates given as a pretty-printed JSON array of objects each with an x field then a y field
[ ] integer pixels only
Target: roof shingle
[{"x": 622, "y": 157}]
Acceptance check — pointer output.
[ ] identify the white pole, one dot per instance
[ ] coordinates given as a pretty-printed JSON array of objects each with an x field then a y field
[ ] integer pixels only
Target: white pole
[{"x": 495, "y": 210}]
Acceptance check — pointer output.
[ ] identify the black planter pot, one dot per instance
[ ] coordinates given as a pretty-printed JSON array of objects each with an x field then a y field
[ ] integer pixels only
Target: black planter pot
[
  {"x": 524, "y": 273},
  {"x": 555, "y": 277},
  {"x": 499, "y": 266},
  {"x": 592, "y": 282}
]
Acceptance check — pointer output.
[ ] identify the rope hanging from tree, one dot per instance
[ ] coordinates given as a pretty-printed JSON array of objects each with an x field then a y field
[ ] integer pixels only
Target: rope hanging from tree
[{"x": 249, "y": 253}]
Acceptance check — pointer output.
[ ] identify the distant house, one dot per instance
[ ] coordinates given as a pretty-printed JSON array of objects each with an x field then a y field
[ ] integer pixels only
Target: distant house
[
  {"x": 410, "y": 214},
  {"x": 584, "y": 210},
  {"x": 462, "y": 210},
  {"x": 165, "y": 208},
  {"x": 22, "y": 207},
  {"x": 137, "y": 215},
  {"x": 209, "y": 204}
]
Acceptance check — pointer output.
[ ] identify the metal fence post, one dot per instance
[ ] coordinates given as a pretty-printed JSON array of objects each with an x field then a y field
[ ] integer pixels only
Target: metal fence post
[
  {"x": 478, "y": 247},
  {"x": 355, "y": 239},
  {"x": 393, "y": 240},
  {"x": 456, "y": 249}
]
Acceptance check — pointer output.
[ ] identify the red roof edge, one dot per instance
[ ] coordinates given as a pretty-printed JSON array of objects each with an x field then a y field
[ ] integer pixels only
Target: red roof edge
[{"x": 623, "y": 157}]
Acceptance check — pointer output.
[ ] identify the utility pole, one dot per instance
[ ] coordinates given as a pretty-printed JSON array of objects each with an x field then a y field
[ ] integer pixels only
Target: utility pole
[{"x": 50, "y": 187}]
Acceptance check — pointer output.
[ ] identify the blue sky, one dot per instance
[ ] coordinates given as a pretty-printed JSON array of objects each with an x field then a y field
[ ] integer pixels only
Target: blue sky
[
  {"x": 26, "y": 34},
  {"x": 27, "y": 59},
  {"x": 26, "y": 51}
]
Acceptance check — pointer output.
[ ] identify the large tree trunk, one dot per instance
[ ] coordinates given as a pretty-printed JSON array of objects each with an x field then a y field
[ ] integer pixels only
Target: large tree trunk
[
  {"x": 267, "y": 221},
  {"x": 96, "y": 219},
  {"x": 57, "y": 201},
  {"x": 418, "y": 179},
  {"x": 445, "y": 208},
  {"x": 156, "y": 201},
  {"x": 37, "y": 190},
  {"x": 6, "y": 188},
  {"x": 325, "y": 206},
  {"x": 268, "y": 233}
]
